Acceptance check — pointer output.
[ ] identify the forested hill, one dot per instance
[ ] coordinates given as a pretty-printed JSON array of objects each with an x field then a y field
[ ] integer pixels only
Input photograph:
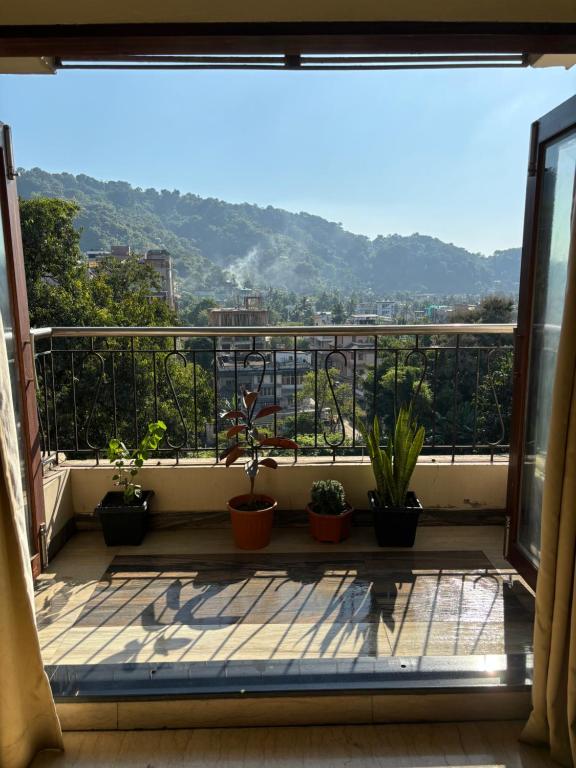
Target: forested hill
[{"x": 211, "y": 239}]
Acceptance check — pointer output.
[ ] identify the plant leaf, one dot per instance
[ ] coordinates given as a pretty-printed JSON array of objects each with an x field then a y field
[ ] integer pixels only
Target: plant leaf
[
  {"x": 235, "y": 430},
  {"x": 236, "y": 452},
  {"x": 226, "y": 451},
  {"x": 249, "y": 398},
  {"x": 269, "y": 462},
  {"x": 233, "y": 415},
  {"x": 411, "y": 460},
  {"x": 280, "y": 442},
  {"x": 387, "y": 495},
  {"x": 268, "y": 410}
]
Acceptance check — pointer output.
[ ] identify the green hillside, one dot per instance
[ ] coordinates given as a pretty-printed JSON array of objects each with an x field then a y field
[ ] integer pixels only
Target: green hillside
[{"x": 211, "y": 240}]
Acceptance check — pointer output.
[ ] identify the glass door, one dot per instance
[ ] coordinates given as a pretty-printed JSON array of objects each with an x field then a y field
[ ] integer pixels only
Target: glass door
[
  {"x": 550, "y": 204},
  {"x": 16, "y": 337}
]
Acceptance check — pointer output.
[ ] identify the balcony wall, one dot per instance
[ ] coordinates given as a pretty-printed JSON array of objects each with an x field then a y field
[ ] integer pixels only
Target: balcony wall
[
  {"x": 196, "y": 490},
  {"x": 95, "y": 382}
]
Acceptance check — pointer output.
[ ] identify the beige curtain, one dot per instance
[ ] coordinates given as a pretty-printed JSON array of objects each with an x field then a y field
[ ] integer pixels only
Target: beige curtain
[
  {"x": 28, "y": 721},
  {"x": 553, "y": 718}
]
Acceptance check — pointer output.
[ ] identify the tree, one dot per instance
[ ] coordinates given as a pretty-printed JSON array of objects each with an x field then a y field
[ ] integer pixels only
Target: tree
[
  {"x": 304, "y": 313},
  {"x": 114, "y": 386},
  {"x": 125, "y": 290},
  {"x": 196, "y": 312},
  {"x": 300, "y": 252},
  {"x": 394, "y": 388},
  {"x": 338, "y": 311},
  {"x": 61, "y": 290},
  {"x": 492, "y": 309},
  {"x": 465, "y": 408},
  {"x": 56, "y": 279},
  {"x": 317, "y": 389},
  {"x": 494, "y": 400}
]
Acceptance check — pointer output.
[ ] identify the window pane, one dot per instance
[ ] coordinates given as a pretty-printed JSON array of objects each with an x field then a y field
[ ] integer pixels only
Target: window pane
[{"x": 554, "y": 228}]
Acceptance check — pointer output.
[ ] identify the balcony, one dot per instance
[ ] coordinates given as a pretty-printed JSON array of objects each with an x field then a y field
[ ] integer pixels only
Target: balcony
[{"x": 187, "y": 614}]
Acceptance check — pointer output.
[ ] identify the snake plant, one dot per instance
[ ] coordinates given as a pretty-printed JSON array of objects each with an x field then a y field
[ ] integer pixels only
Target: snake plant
[{"x": 393, "y": 465}]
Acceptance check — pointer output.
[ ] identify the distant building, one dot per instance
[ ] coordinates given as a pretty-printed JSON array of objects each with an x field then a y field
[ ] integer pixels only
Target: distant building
[
  {"x": 97, "y": 255},
  {"x": 323, "y": 318},
  {"x": 282, "y": 380},
  {"x": 364, "y": 320},
  {"x": 384, "y": 308},
  {"x": 121, "y": 251},
  {"x": 438, "y": 313},
  {"x": 161, "y": 261},
  {"x": 250, "y": 314}
]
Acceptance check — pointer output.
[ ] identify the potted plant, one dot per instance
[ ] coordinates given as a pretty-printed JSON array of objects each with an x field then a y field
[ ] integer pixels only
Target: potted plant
[
  {"x": 124, "y": 513},
  {"x": 252, "y": 513},
  {"x": 396, "y": 509},
  {"x": 329, "y": 514}
]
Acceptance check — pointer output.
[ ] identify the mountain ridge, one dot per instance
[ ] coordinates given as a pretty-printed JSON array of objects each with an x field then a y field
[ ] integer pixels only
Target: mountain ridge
[{"x": 211, "y": 240}]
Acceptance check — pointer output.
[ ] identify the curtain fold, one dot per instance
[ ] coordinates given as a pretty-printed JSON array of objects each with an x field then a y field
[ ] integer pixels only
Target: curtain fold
[
  {"x": 28, "y": 720},
  {"x": 553, "y": 718}
]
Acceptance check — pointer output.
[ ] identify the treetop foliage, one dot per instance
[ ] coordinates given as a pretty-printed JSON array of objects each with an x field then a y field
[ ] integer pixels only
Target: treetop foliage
[{"x": 214, "y": 242}]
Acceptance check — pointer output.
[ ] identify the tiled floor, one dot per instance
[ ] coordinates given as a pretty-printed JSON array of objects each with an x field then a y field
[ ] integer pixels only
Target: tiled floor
[
  {"x": 189, "y": 596},
  {"x": 482, "y": 745}
]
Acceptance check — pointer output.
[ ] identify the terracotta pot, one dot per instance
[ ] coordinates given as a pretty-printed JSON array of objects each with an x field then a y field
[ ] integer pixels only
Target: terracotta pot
[
  {"x": 252, "y": 529},
  {"x": 330, "y": 528}
]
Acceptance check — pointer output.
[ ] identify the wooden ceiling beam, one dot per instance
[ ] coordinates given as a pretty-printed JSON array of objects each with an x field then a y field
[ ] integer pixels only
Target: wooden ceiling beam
[{"x": 98, "y": 41}]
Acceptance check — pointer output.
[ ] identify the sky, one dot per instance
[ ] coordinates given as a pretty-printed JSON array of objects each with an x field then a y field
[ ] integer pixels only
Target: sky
[{"x": 442, "y": 153}]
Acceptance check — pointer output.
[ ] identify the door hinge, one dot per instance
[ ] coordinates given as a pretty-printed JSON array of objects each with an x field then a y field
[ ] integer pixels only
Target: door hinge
[
  {"x": 507, "y": 527},
  {"x": 42, "y": 535}
]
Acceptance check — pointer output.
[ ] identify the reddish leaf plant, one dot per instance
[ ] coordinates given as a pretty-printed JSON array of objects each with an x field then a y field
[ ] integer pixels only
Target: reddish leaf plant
[{"x": 252, "y": 442}]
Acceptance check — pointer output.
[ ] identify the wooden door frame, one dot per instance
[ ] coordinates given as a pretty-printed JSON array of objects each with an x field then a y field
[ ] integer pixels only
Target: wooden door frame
[
  {"x": 95, "y": 41},
  {"x": 23, "y": 347},
  {"x": 550, "y": 127}
]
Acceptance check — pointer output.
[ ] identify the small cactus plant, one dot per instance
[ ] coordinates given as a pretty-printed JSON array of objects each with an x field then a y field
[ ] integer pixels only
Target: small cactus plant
[{"x": 328, "y": 497}]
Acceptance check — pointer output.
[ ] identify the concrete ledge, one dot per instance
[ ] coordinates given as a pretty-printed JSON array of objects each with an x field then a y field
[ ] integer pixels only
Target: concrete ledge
[
  {"x": 206, "y": 487},
  {"x": 285, "y": 518},
  {"x": 326, "y": 709}
]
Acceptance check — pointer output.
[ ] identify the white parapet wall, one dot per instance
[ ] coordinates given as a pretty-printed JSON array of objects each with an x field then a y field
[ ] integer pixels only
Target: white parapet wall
[
  {"x": 205, "y": 487},
  {"x": 58, "y": 504}
]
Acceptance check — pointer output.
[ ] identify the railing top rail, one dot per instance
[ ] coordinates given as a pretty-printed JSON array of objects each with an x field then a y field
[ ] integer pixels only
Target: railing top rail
[
  {"x": 288, "y": 330},
  {"x": 41, "y": 333}
]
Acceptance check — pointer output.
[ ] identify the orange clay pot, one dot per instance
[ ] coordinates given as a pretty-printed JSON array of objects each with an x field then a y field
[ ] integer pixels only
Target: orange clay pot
[
  {"x": 330, "y": 528},
  {"x": 252, "y": 528}
]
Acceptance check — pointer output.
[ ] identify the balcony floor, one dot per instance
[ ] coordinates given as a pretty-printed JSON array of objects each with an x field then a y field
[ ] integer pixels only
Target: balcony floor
[{"x": 187, "y": 606}]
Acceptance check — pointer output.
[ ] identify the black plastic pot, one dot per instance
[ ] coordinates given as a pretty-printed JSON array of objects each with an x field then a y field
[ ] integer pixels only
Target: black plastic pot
[
  {"x": 124, "y": 524},
  {"x": 395, "y": 526}
]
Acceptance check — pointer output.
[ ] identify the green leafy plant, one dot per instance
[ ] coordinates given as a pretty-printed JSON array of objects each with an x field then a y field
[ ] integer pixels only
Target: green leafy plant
[
  {"x": 251, "y": 442},
  {"x": 128, "y": 463},
  {"x": 393, "y": 465},
  {"x": 328, "y": 497}
]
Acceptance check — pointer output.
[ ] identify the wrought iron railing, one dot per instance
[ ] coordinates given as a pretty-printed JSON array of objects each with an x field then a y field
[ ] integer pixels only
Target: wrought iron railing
[{"x": 95, "y": 383}]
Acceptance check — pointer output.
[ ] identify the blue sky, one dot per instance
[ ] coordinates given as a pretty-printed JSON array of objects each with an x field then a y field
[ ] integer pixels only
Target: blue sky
[{"x": 440, "y": 153}]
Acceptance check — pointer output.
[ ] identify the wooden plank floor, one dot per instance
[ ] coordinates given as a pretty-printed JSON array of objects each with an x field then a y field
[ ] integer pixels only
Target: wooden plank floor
[
  {"x": 188, "y": 596},
  {"x": 482, "y": 745}
]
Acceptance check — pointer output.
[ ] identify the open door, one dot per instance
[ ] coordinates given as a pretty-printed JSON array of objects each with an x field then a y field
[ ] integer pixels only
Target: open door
[
  {"x": 550, "y": 206},
  {"x": 15, "y": 320}
]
